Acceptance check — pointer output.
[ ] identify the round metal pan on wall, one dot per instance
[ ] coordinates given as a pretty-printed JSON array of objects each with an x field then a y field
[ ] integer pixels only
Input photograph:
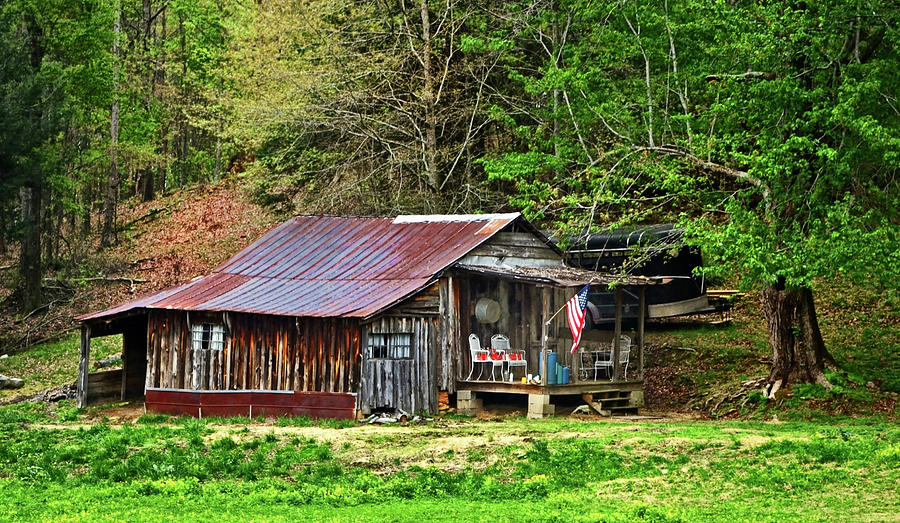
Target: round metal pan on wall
[{"x": 487, "y": 310}]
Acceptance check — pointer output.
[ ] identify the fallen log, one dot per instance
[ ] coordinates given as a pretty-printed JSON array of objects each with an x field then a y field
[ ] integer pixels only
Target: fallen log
[{"x": 149, "y": 216}]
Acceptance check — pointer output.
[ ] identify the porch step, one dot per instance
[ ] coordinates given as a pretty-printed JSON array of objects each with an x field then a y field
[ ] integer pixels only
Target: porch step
[
  {"x": 611, "y": 394},
  {"x": 623, "y": 411},
  {"x": 611, "y": 403}
]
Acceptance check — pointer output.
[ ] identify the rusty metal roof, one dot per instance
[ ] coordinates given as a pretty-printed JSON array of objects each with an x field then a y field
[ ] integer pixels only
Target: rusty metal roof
[
  {"x": 560, "y": 276},
  {"x": 329, "y": 266}
]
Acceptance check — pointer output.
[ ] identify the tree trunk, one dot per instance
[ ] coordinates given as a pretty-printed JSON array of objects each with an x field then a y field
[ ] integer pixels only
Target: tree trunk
[
  {"x": 184, "y": 101},
  {"x": 147, "y": 189},
  {"x": 30, "y": 267},
  {"x": 30, "y": 256},
  {"x": 159, "y": 81},
  {"x": 557, "y": 53},
  {"x": 814, "y": 351},
  {"x": 431, "y": 167},
  {"x": 110, "y": 200},
  {"x": 798, "y": 350},
  {"x": 3, "y": 245},
  {"x": 218, "y": 175},
  {"x": 87, "y": 206}
]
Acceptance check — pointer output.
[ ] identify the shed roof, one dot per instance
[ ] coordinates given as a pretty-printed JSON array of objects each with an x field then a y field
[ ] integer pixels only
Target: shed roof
[
  {"x": 560, "y": 276},
  {"x": 327, "y": 266}
]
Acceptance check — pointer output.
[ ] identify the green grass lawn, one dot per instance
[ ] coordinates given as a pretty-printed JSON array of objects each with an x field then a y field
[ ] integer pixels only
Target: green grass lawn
[
  {"x": 561, "y": 469},
  {"x": 54, "y": 363}
]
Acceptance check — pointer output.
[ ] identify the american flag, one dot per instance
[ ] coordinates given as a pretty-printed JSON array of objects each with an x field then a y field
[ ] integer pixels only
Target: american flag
[{"x": 575, "y": 315}]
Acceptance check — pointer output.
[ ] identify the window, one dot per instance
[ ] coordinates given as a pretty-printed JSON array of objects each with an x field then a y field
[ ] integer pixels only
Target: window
[
  {"x": 208, "y": 336},
  {"x": 393, "y": 346}
]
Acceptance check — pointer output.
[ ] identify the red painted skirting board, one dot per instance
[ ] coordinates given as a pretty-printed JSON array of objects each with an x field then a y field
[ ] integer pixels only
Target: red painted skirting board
[{"x": 251, "y": 403}]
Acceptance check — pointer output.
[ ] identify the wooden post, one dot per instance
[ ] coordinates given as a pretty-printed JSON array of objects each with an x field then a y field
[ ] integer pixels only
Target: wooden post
[
  {"x": 545, "y": 332},
  {"x": 228, "y": 336},
  {"x": 617, "y": 373},
  {"x": 126, "y": 365},
  {"x": 82, "y": 392},
  {"x": 151, "y": 355},
  {"x": 642, "y": 311},
  {"x": 575, "y": 376},
  {"x": 195, "y": 372},
  {"x": 454, "y": 335}
]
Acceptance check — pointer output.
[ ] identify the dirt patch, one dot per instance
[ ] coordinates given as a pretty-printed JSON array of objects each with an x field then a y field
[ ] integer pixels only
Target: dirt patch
[{"x": 117, "y": 413}]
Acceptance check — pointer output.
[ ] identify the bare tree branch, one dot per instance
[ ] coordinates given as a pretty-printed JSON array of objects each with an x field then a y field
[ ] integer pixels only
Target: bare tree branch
[
  {"x": 749, "y": 75},
  {"x": 710, "y": 166},
  {"x": 637, "y": 34}
]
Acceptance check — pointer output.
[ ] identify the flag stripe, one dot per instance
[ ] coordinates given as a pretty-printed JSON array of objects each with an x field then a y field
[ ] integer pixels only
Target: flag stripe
[{"x": 575, "y": 312}]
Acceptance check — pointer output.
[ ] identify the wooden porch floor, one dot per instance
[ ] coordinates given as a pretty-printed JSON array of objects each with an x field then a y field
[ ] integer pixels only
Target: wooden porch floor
[{"x": 585, "y": 387}]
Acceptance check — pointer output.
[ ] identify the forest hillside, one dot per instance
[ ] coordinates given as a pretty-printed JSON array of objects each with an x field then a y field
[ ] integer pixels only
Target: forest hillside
[
  {"x": 768, "y": 131},
  {"x": 697, "y": 366}
]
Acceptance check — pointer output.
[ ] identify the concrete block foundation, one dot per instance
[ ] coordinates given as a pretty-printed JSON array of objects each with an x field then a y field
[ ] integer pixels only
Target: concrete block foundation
[
  {"x": 539, "y": 406},
  {"x": 468, "y": 403}
]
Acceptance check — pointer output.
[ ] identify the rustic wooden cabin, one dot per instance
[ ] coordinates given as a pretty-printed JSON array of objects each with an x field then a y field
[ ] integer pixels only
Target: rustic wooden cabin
[{"x": 339, "y": 316}]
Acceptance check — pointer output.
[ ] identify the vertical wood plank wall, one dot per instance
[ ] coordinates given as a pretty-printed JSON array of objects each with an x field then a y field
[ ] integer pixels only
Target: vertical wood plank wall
[
  {"x": 261, "y": 353},
  {"x": 407, "y": 384},
  {"x": 448, "y": 334}
]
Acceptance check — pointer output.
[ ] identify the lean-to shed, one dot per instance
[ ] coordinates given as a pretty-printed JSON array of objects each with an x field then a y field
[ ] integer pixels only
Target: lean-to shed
[{"x": 330, "y": 316}]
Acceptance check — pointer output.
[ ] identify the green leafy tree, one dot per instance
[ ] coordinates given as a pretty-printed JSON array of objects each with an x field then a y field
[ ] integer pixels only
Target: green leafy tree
[
  {"x": 770, "y": 130},
  {"x": 53, "y": 79}
]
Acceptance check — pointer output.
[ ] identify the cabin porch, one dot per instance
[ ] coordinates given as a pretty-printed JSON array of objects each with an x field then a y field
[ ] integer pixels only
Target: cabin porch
[
  {"x": 606, "y": 371},
  {"x": 617, "y": 392},
  {"x": 605, "y": 398}
]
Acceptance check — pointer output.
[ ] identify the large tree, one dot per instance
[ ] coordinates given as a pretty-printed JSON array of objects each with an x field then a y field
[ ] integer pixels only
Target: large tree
[{"x": 770, "y": 130}]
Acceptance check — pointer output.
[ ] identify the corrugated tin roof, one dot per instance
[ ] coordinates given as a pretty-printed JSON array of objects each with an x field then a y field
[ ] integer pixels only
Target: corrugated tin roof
[
  {"x": 560, "y": 276},
  {"x": 330, "y": 266}
]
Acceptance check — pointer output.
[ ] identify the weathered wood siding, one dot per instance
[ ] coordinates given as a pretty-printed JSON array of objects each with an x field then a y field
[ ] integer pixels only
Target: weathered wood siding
[
  {"x": 448, "y": 336},
  {"x": 425, "y": 303},
  {"x": 103, "y": 387},
  {"x": 261, "y": 353},
  {"x": 407, "y": 384},
  {"x": 514, "y": 249}
]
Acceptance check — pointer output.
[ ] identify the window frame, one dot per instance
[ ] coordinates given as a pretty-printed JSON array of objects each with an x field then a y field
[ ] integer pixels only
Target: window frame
[
  {"x": 211, "y": 336},
  {"x": 393, "y": 346}
]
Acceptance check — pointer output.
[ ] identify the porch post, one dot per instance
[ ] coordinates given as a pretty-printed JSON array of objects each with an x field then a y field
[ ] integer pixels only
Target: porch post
[
  {"x": 642, "y": 311},
  {"x": 81, "y": 393},
  {"x": 617, "y": 373},
  {"x": 126, "y": 367},
  {"x": 545, "y": 332}
]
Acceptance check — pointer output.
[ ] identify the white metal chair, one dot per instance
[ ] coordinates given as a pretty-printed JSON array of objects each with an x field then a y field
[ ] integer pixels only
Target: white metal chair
[
  {"x": 605, "y": 359},
  {"x": 624, "y": 352},
  {"x": 478, "y": 354},
  {"x": 499, "y": 347},
  {"x": 512, "y": 358},
  {"x": 588, "y": 365}
]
